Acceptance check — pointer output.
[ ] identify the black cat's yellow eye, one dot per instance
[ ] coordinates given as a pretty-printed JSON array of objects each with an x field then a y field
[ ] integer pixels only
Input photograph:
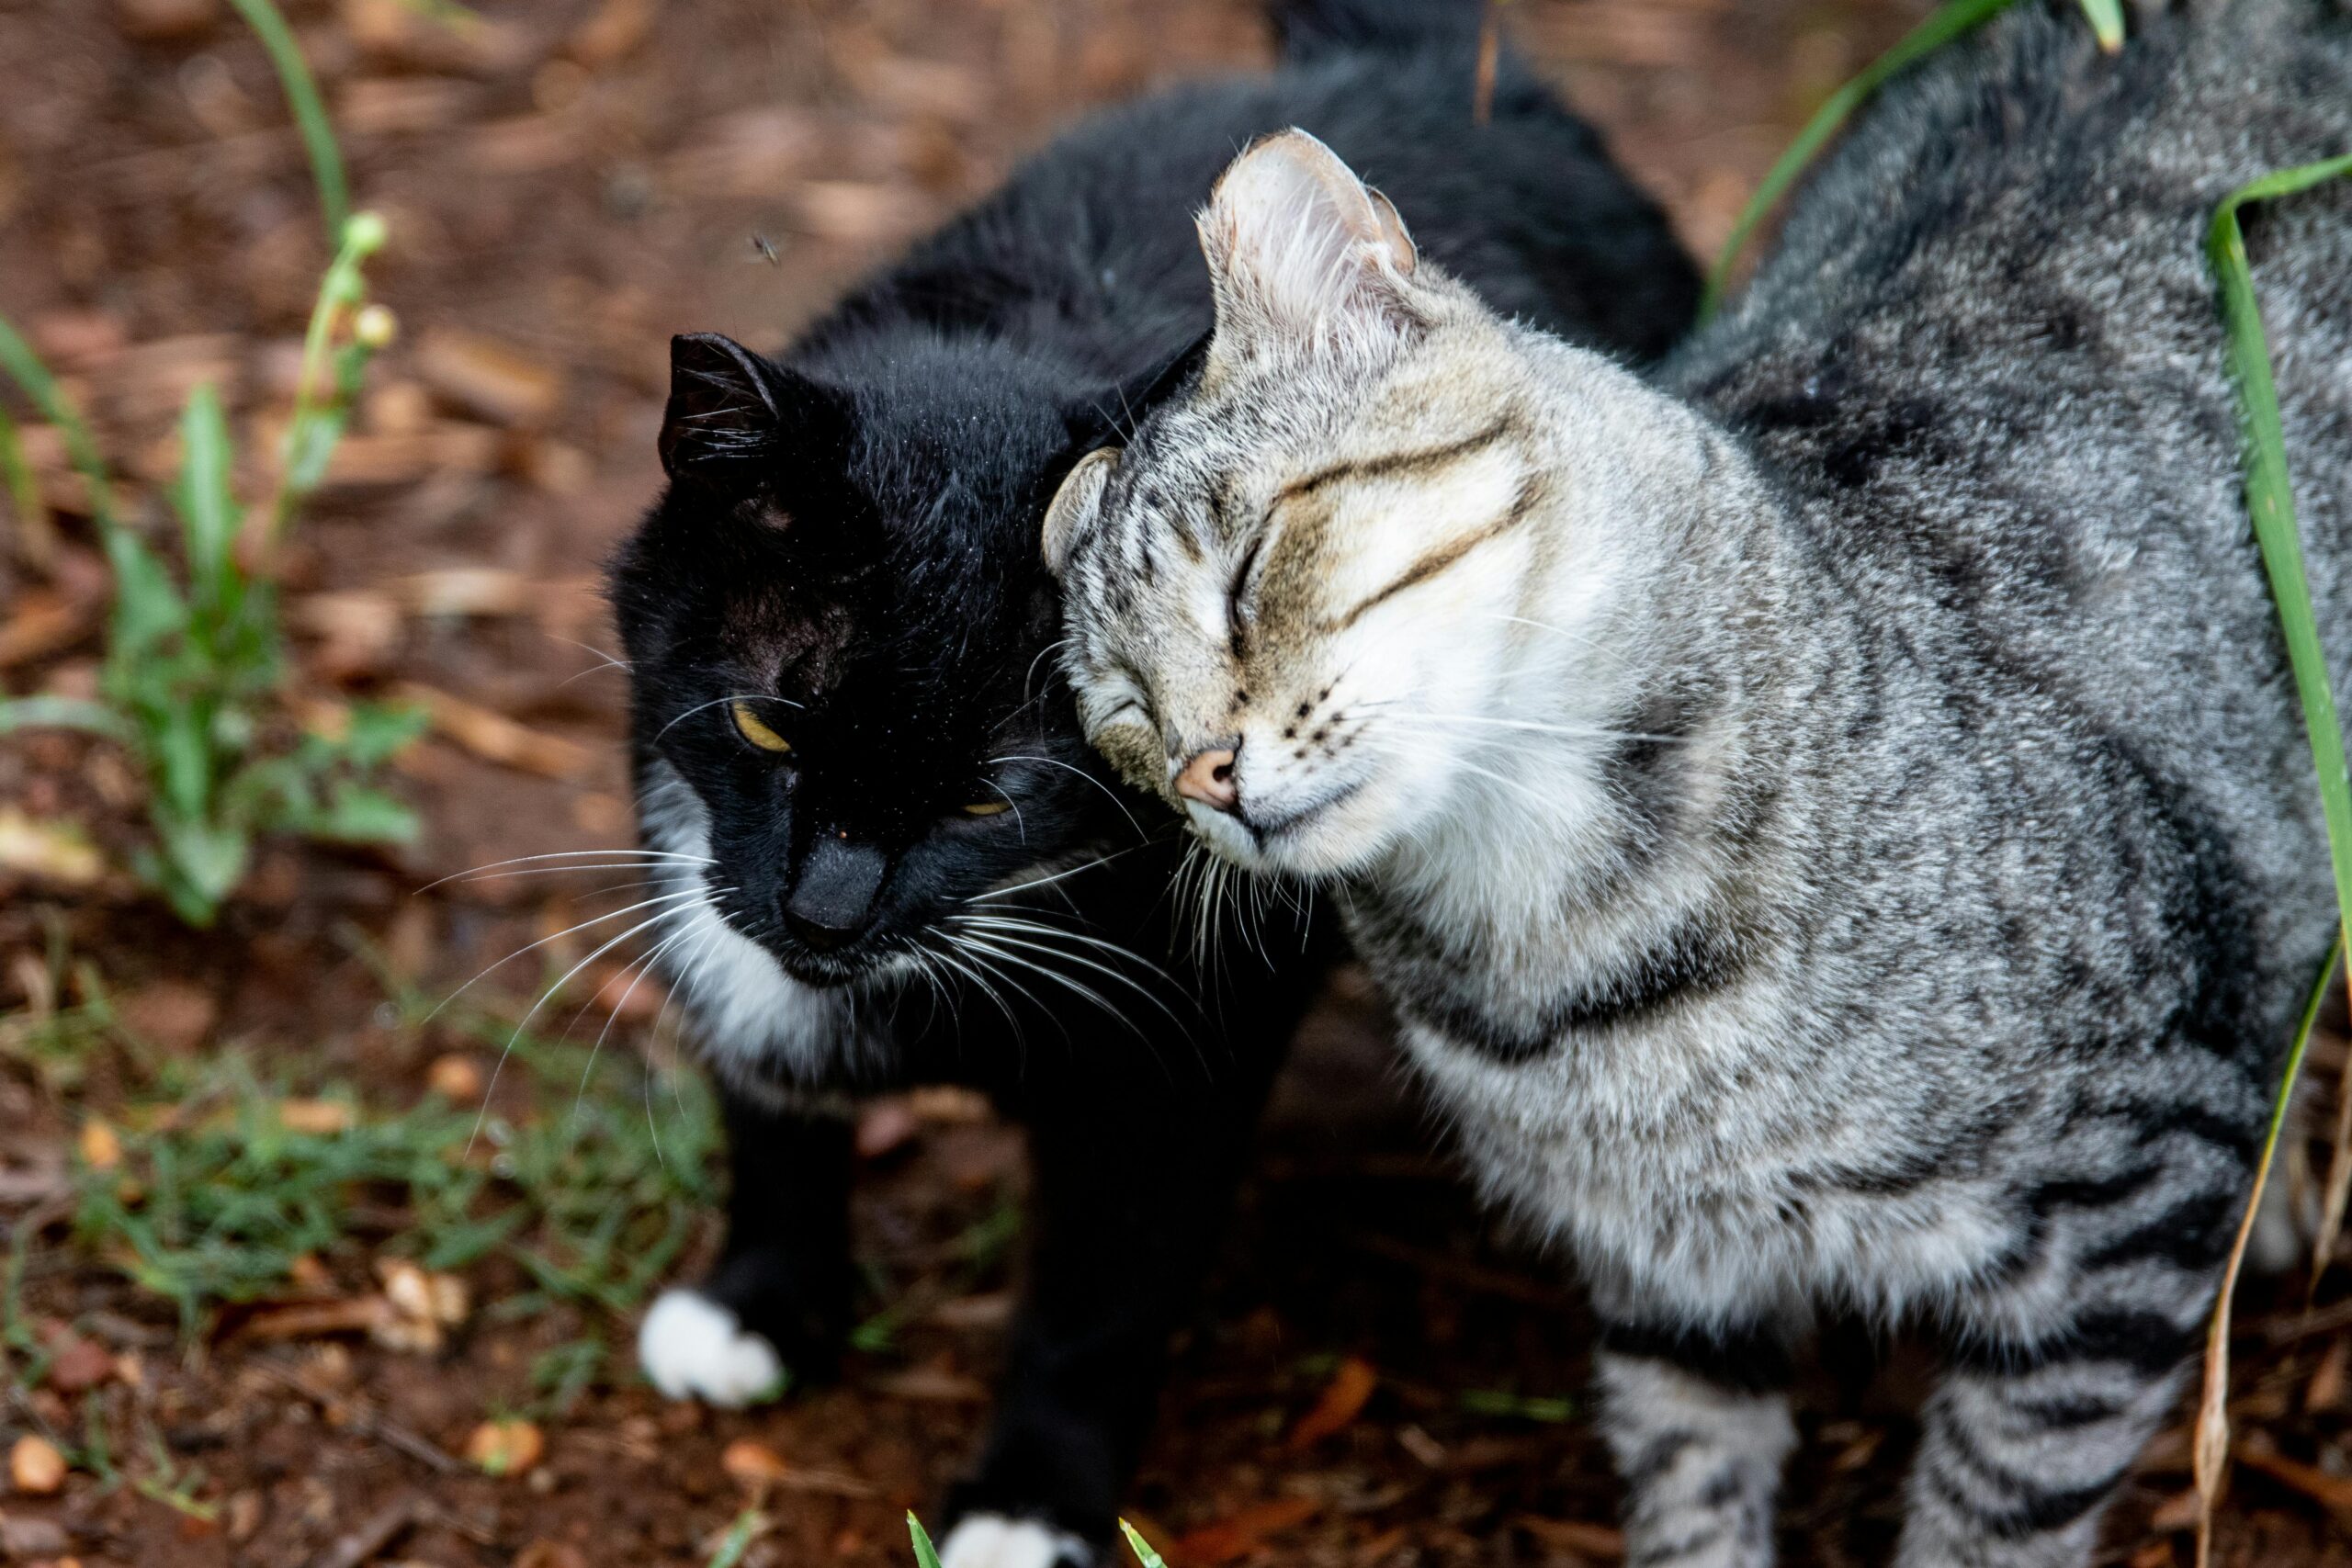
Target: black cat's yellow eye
[
  {"x": 751, "y": 728},
  {"x": 987, "y": 809}
]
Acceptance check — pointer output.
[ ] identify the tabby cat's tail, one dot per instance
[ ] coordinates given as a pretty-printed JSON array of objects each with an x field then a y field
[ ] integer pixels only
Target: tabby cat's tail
[{"x": 1313, "y": 30}]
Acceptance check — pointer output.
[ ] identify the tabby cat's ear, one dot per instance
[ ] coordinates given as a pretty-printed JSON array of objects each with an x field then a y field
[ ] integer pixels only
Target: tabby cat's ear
[
  {"x": 734, "y": 415},
  {"x": 1298, "y": 246},
  {"x": 1075, "y": 504}
]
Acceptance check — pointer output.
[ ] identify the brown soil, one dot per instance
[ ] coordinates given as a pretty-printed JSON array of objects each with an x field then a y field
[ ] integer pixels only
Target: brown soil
[{"x": 567, "y": 188}]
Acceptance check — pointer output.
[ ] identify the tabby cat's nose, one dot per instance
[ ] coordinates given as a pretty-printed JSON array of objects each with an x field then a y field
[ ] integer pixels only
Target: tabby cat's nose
[{"x": 1208, "y": 778}]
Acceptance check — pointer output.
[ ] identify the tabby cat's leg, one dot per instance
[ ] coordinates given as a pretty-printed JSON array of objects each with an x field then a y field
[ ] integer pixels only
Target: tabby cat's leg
[
  {"x": 1700, "y": 1425},
  {"x": 2060, "y": 1372}
]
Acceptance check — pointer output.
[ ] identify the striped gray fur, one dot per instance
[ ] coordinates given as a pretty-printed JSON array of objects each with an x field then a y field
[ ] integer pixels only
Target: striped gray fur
[{"x": 1835, "y": 818}]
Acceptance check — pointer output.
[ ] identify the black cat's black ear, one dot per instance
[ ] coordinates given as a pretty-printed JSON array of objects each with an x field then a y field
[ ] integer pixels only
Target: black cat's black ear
[
  {"x": 1109, "y": 418},
  {"x": 725, "y": 414}
]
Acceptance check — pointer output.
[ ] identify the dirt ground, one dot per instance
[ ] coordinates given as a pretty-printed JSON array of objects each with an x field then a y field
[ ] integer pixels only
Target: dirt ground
[{"x": 1378, "y": 1380}]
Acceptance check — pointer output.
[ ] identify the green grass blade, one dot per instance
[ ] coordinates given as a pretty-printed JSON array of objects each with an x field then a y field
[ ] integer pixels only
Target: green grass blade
[
  {"x": 2106, "y": 21},
  {"x": 926, "y": 1555},
  {"x": 1144, "y": 1553},
  {"x": 36, "y": 538},
  {"x": 2271, "y": 503},
  {"x": 309, "y": 112},
  {"x": 40, "y": 712},
  {"x": 1945, "y": 24},
  {"x": 2270, "y": 499},
  {"x": 207, "y": 511},
  {"x": 24, "y": 368}
]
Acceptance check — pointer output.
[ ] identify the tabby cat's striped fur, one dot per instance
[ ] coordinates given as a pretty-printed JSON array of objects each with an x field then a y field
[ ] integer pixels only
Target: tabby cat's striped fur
[{"x": 1835, "y": 821}]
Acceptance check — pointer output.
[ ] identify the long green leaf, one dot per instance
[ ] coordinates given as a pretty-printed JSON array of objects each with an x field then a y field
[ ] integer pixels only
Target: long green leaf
[
  {"x": 309, "y": 112},
  {"x": 926, "y": 1555},
  {"x": 2269, "y": 496},
  {"x": 209, "y": 513},
  {"x": 1945, "y": 24},
  {"x": 1144, "y": 1553},
  {"x": 2106, "y": 21},
  {"x": 36, "y": 537},
  {"x": 24, "y": 368},
  {"x": 40, "y": 712}
]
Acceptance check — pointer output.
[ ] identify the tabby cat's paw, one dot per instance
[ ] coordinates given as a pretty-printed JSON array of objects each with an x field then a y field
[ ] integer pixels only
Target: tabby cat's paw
[
  {"x": 991, "y": 1540},
  {"x": 692, "y": 1348}
]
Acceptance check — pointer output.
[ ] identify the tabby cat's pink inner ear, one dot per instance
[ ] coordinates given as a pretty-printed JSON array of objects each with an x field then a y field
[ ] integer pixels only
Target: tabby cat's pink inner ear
[{"x": 1297, "y": 243}]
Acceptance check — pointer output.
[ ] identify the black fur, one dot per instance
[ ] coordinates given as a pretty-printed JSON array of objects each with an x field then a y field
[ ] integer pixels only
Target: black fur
[{"x": 849, "y": 541}]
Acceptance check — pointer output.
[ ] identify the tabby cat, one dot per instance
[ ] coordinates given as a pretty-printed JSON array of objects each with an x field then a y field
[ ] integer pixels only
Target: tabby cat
[
  {"x": 890, "y": 858},
  {"x": 1833, "y": 815}
]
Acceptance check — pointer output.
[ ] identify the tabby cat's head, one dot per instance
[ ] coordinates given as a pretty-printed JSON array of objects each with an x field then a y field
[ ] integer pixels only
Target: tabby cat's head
[{"x": 1288, "y": 597}]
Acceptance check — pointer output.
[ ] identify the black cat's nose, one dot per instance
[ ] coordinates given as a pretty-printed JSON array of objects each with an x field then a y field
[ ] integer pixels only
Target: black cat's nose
[
  {"x": 1208, "y": 778},
  {"x": 831, "y": 901}
]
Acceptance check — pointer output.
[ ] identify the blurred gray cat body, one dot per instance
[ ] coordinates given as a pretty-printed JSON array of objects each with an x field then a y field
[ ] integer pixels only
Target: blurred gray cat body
[{"x": 1836, "y": 822}]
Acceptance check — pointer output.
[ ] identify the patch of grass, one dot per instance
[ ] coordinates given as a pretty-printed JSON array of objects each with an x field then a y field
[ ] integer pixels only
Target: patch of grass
[
  {"x": 193, "y": 679},
  {"x": 590, "y": 1180}
]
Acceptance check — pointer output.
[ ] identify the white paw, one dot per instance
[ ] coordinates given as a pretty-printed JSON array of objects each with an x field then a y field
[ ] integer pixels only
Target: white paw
[
  {"x": 694, "y": 1349},
  {"x": 991, "y": 1540}
]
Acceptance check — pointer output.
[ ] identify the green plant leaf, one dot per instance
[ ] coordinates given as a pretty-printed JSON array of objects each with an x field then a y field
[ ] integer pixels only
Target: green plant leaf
[
  {"x": 36, "y": 537},
  {"x": 926, "y": 1555},
  {"x": 1946, "y": 23},
  {"x": 380, "y": 732},
  {"x": 210, "y": 516},
  {"x": 147, "y": 608},
  {"x": 62, "y": 712},
  {"x": 2270, "y": 503},
  {"x": 2106, "y": 21},
  {"x": 1144, "y": 1553},
  {"x": 24, "y": 368},
  {"x": 2269, "y": 496},
  {"x": 310, "y": 113},
  {"x": 358, "y": 815}
]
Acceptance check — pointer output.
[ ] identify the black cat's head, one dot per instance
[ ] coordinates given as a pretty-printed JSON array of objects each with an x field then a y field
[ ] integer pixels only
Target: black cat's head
[{"x": 843, "y": 693}]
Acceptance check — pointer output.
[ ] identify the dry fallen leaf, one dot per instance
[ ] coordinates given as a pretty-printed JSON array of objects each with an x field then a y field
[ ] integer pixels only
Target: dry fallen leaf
[
  {"x": 41, "y": 624},
  {"x": 550, "y": 1554},
  {"x": 315, "y": 1118},
  {"x": 1343, "y": 1399},
  {"x": 170, "y": 1014},
  {"x": 753, "y": 1463},
  {"x": 454, "y": 1077},
  {"x": 34, "y": 1467},
  {"x": 51, "y": 850},
  {"x": 1237, "y": 1535},
  {"x": 494, "y": 738},
  {"x": 489, "y": 378},
  {"x": 506, "y": 1448},
  {"x": 1603, "y": 1542},
  {"x": 613, "y": 32},
  {"x": 100, "y": 1145}
]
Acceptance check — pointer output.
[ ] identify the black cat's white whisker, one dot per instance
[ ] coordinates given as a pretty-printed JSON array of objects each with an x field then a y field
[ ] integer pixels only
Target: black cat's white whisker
[
  {"x": 481, "y": 873},
  {"x": 559, "y": 936},
  {"x": 722, "y": 701},
  {"x": 544, "y": 996},
  {"x": 1108, "y": 793}
]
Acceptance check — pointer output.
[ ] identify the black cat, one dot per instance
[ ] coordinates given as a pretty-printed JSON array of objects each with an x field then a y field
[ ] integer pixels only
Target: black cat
[{"x": 894, "y": 861}]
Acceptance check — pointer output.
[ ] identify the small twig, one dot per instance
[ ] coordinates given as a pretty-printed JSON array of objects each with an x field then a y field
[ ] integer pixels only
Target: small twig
[
  {"x": 382, "y": 1529},
  {"x": 360, "y": 1419}
]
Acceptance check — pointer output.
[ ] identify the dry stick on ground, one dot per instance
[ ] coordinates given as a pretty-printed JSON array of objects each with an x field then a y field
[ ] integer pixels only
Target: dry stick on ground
[
  {"x": 2339, "y": 1185},
  {"x": 360, "y": 1419},
  {"x": 382, "y": 1529}
]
